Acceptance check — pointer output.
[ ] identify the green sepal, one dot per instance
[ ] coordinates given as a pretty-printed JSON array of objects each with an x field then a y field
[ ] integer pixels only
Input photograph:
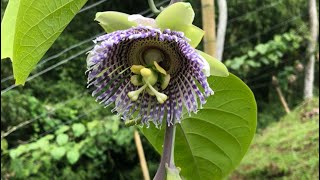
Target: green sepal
[
  {"x": 179, "y": 17},
  {"x": 176, "y": 17},
  {"x": 172, "y": 173},
  {"x": 112, "y": 21},
  {"x": 195, "y": 34},
  {"x": 217, "y": 68}
]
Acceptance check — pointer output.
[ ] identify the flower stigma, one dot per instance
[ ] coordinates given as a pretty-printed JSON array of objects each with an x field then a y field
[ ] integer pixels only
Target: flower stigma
[{"x": 148, "y": 77}]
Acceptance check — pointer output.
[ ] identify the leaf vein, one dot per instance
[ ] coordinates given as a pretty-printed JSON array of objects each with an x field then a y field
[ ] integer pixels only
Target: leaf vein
[{"x": 201, "y": 136}]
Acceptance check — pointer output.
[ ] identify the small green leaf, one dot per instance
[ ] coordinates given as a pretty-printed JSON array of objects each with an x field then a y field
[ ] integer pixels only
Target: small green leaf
[
  {"x": 58, "y": 152},
  {"x": 217, "y": 68},
  {"x": 62, "y": 139},
  {"x": 112, "y": 21},
  {"x": 262, "y": 48},
  {"x": 62, "y": 129},
  {"x": 73, "y": 156},
  {"x": 176, "y": 17},
  {"x": 78, "y": 129},
  {"x": 211, "y": 143},
  {"x": 30, "y": 29},
  {"x": 252, "y": 53},
  {"x": 43, "y": 142},
  {"x": 4, "y": 145},
  {"x": 179, "y": 17},
  {"x": 48, "y": 137},
  {"x": 8, "y": 25}
]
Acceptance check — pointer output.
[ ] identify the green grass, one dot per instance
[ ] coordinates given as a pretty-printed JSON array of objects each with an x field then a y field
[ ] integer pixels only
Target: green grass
[{"x": 288, "y": 149}]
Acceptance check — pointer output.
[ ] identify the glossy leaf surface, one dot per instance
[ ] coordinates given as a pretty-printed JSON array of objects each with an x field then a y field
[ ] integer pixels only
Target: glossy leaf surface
[{"x": 211, "y": 143}]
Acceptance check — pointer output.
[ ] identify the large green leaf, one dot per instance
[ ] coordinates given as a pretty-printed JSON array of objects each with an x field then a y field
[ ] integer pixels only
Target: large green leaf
[
  {"x": 211, "y": 143},
  {"x": 37, "y": 24},
  {"x": 8, "y": 25}
]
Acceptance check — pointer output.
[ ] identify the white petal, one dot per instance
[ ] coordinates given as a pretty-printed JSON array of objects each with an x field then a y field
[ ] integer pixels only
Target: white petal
[
  {"x": 143, "y": 21},
  {"x": 90, "y": 55},
  {"x": 206, "y": 67}
]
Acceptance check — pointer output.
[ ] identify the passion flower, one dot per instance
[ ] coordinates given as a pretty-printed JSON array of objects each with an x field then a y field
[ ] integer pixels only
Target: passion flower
[{"x": 149, "y": 67}]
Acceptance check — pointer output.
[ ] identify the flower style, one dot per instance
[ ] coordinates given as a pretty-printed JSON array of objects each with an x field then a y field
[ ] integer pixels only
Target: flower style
[{"x": 149, "y": 67}]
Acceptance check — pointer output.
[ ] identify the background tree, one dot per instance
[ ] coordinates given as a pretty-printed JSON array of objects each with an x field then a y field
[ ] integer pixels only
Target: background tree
[
  {"x": 209, "y": 26},
  {"x": 222, "y": 27},
  {"x": 314, "y": 31}
]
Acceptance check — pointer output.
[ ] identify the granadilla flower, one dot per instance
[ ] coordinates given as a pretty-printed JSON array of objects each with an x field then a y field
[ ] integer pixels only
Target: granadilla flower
[{"x": 149, "y": 67}]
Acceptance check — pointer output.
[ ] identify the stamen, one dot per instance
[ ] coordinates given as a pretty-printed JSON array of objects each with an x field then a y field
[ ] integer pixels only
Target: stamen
[
  {"x": 136, "y": 69},
  {"x": 160, "y": 96},
  {"x": 134, "y": 95}
]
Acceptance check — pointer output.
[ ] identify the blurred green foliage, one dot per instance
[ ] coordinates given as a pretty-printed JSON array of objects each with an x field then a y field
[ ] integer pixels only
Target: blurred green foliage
[
  {"x": 270, "y": 53},
  {"x": 77, "y": 140},
  {"x": 75, "y": 150},
  {"x": 288, "y": 149},
  {"x": 281, "y": 57}
]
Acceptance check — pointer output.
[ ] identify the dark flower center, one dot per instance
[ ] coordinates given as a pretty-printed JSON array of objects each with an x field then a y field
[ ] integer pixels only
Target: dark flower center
[
  {"x": 145, "y": 51},
  {"x": 152, "y": 54}
]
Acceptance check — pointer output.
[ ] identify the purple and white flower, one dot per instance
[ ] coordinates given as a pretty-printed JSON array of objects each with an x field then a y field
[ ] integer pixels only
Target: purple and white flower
[{"x": 148, "y": 71}]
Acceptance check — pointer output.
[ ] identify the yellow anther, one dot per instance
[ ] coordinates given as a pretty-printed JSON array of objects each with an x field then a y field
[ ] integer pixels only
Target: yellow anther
[
  {"x": 159, "y": 68},
  {"x": 134, "y": 95},
  {"x": 136, "y": 69},
  {"x": 145, "y": 72},
  {"x": 147, "y": 78}
]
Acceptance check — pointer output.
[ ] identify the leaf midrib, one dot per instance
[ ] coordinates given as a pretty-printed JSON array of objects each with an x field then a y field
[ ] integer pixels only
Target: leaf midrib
[
  {"x": 184, "y": 135},
  {"x": 59, "y": 8},
  {"x": 194, "y": 133},
  {"x": 239, "y": 144},
  {"x": 52, "y": 35}
]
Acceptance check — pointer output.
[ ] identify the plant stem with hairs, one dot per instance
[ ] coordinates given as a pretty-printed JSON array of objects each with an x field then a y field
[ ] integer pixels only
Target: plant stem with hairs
[{"x": 167, "y": 158}]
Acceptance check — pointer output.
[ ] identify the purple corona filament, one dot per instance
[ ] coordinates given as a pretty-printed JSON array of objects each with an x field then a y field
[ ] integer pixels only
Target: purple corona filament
[{"x": 109, "y": 64}]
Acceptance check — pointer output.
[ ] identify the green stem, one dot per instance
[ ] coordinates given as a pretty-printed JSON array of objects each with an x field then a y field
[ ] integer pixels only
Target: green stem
[
  {"x": 167, "y": 153},
  {"x": 171, "y": 164},
  {"x": 174, "y": 1},
  {"x": 153, "y": 7}
]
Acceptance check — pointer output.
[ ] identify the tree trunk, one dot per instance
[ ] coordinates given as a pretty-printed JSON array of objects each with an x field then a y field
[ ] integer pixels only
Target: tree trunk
[
  {"x": 309, "y": 69},
  {"x": 222, "y": 26},
  {"x": 208, "y": 25}
]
